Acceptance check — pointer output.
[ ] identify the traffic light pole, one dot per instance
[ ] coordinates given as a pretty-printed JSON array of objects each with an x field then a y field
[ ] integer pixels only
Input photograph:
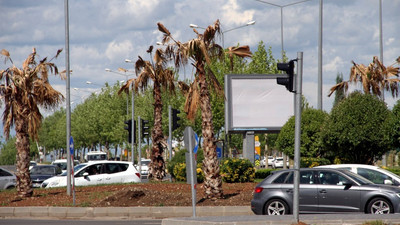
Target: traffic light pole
[
  {"x": 297, "y": 135},
  {"x": 133, "y": 125}
]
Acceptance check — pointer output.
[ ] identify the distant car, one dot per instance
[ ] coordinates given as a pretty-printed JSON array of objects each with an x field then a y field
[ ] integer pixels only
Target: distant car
[
  {"x": 373, "y": 173},
  {"x": 323, "y": 190},
  {"x": 40, "y": 173},
  {"x": 262, "y": 162},
  {"x": 270, "y": 160},
  {"x": 7, "y": 179},
  {"x": 145, "y": 167},
  {"x": 62, "y": 163},
  {"x": 278, "y": 163},
  {"x": 98, "y": 172},
  {"x": 95, "y": 156}
]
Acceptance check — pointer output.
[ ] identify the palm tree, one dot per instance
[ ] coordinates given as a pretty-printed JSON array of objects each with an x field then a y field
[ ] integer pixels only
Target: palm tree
[
  {"x": 200, "y": 50},
  {"x": 162, "y": 78},
  {"x": 23, "y": 91},
  {"x": 375, "y": 78}
]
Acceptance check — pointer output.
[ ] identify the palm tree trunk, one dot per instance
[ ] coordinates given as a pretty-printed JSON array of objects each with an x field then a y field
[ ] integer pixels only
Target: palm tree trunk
[
  {"x": 213, "y": 181},
  {"x": 157, "y": 136},
  {"x": 24, "y": 183}
]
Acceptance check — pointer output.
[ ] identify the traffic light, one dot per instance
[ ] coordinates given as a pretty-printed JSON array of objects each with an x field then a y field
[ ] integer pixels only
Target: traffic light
[
  {"x": 145, "y": 128},
  {"x": 288, "y": 81},
  {"x": 175, "y": 119},
  {"x": 129, "y": 129}
]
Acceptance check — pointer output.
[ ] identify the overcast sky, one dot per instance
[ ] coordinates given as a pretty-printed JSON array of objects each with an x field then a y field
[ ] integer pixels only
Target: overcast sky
[{"x": 105, "y": 33}]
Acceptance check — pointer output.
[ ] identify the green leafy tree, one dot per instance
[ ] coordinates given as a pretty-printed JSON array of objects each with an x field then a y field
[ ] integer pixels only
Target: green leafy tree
[
  {"x": 395, "y": 127},
  {"x": 311, "y": 124},
  {"x": 8, "y": 152},
  {"x": 357, "y": 130}
]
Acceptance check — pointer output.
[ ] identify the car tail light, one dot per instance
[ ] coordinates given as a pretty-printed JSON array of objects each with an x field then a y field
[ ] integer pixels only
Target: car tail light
[
  {"x": 258, "y": 190},
  {"x": 138, "y": 174}
]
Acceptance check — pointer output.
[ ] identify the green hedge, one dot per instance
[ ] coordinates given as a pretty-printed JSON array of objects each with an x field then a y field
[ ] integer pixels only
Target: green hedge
[
  {"x": 313, "y": 162},
  {"x": 263, "y": 173},
  {"x": 395, "y": 171}
]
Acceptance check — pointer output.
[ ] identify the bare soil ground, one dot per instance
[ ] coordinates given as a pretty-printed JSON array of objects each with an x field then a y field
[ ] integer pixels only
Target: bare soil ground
[{"x": 125, "y": 195}]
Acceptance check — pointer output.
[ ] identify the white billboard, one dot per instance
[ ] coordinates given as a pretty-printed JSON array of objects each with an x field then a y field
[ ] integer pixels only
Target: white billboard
[{"x": 255, "y": 102}]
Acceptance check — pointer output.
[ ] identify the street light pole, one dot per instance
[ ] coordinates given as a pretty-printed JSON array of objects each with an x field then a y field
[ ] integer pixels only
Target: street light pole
[
  {"x": 281, "y": 6},
  {"x": 126, "y": 80}
]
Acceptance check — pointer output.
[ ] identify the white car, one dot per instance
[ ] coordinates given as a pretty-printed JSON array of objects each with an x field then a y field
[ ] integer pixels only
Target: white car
[
  {"x": 145, "y": 166},
  {"x": 97, "y": 172},
  {"x": 270, "y": 160},
  {"x": 373, "y": 173},
  {"x": 278, "y": 163},
  {"x": 7, "y": 179}
]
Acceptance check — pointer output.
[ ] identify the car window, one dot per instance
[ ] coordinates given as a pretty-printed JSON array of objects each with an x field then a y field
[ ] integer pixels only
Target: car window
[
  {"x": 91, "y": 170},
  {"x": 281, "y": 179},
  {"x": 373, "y": 175},
  {"x": 4, "y": 173},
  {"x": 306, "y": 177},
  {"x": 45, "y": 170},
  {"x": 112, "y": 168},
  {"x": 331, "y": 178}
]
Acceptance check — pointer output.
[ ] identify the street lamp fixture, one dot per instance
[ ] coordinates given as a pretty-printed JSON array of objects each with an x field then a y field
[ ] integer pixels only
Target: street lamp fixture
[{"x": 128, "y": 61}]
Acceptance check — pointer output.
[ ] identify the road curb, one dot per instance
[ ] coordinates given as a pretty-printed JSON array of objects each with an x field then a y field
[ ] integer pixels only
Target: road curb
[{"x": 120, "y": 212}]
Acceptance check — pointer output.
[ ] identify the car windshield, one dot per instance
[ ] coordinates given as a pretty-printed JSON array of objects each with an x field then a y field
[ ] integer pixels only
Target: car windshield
[
  {"x": 145, "y": 163},
  {"x": 76, "y": 168},
  {"x": 39, "y": 170},
  {"x": 359, "y": 179}
]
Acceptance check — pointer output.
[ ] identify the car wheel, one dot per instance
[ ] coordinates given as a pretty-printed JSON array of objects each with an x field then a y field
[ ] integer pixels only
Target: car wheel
[
  {"x": 379, "y": 206},
  {"x": 276, "y": 207}
]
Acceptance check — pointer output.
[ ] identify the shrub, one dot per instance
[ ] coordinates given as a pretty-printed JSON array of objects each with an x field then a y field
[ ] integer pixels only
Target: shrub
[
  {"x": 263, "y": 173},
  {"x": 180, "y": 172},
  {"x": 313, "y": 162},
  {"x": 237, "y": 171},
  {"x": 179, "y": 157}
]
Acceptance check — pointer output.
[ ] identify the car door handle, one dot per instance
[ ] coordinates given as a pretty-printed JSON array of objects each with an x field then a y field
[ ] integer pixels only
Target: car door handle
[
  {"x": 289, "y": 190},
  {"x": 322, "y": 191}
]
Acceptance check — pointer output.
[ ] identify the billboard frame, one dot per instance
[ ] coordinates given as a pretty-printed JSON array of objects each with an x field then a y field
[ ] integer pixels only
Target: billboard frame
[{"x": 287, "y": 101}]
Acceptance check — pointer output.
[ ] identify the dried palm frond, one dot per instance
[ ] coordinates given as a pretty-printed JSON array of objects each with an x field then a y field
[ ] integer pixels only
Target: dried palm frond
[
  {"x": 150, "y": 50},
  {"x": 192, "y": 100},
  {"x": 183, "y": 87},
  {"x": 122, "y": 70},
  {"x": 165, "y": 31},
  {"x": 340, "y": 86},
  {"x": 7, "y": 56},
  {"x": 126, "y": 86}
]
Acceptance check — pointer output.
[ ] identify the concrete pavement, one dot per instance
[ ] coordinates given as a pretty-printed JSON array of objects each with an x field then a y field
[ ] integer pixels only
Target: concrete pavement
[{"x": 222, "y": 215}]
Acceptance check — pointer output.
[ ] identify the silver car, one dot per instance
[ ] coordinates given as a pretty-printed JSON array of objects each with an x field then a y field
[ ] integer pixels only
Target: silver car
[
  {"x": 324, "y": 190},
  {"x": 7, "y": 179}
]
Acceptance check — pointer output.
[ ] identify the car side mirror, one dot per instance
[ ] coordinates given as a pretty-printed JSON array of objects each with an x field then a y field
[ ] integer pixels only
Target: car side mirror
[
  {"x": 347, "y": 186},
  {"x": 85, "y": 174},
  {"x": 388, "y": 182}
]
